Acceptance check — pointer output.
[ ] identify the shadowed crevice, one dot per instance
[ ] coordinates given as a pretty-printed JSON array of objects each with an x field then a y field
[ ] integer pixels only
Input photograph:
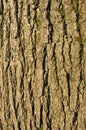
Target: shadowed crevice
[
  {"x": 63, "y": 44},
  {"x": 28, "y": 13},
  {"x": 55, "y": 63},
  {"x": 19, "y": 125},
  {"x": 34, "y": 51},
  {"x": 75, "y": 118},
  {"x": 32, "y": 103},
  {"x": 48, "y": 119},
  {"x": 33, "y": 47},
  {"x": 68, "y": 81},
  {"x": 36, "y": 4},
  {"x": 67, "y": 73},
  {"x": 14, "y": 93},
  {"x": 45, "y": 73},
  {"x": 30, "y": 124},
  {"x": 16, "y": 14},
  {"x": 33, "y": 30},
  {"x": 63, "y": 110},
  {"x": 1, "y": 8},
  {"x": 41, "y": 116},
  {"x": 18, "y": 18},
  {"x": 8, "y": 47},
  {"x": 45, "y": 83},
  {"x": 50, "y": 25},
  {"x": 44, "y": 59},
  {"x": 6, "y": 1},
  {"x": 31, "y": 95},
  {"x": 70, "y": 44}
]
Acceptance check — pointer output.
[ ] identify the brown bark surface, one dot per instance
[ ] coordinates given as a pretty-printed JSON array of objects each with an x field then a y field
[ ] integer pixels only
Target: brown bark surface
[{"x": 42, "y": 64}]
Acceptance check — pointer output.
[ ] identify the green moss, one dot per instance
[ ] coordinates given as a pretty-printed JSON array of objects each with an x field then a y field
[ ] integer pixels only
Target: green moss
[
  {"x": 41, "y": 127},
  {"x": 37, "y": 20},
  {"x": 37, "y": 37},
  {"x": 0, "y": 11},
  {"x": 84, "y": 40}
]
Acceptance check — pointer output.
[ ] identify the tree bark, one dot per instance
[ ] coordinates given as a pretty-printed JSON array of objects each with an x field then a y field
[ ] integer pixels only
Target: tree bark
[{"x": 42, "y": 64}]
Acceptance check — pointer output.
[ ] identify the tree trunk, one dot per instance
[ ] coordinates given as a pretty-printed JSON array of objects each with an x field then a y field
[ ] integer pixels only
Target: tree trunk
[{"x": 42, "y": 64}]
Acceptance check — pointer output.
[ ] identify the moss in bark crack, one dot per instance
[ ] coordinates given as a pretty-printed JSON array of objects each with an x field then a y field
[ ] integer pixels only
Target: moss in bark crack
[
  {"x": 0, "y": 10},
  {"x": 37, "y": 20},
  {"x": 36, "y": 3},
  {"x": 37, "y": 37},
  {"x": 41, "y": 128},
  {"x": 1, "y": 7}
]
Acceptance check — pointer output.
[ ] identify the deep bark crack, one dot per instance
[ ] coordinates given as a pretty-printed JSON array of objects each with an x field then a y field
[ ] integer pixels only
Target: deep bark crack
[{"x": 50, "y": 25}]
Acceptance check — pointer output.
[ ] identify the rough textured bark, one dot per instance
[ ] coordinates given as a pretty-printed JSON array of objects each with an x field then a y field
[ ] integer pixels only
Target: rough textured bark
[{"x": 42, "y": 64}]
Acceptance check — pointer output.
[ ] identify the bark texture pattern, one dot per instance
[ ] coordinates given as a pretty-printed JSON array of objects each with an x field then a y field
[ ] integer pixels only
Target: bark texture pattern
[{"x": 42, "y": 64}]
